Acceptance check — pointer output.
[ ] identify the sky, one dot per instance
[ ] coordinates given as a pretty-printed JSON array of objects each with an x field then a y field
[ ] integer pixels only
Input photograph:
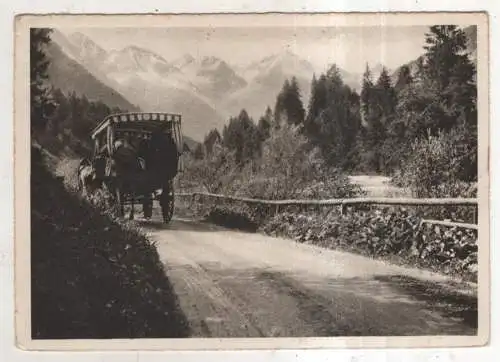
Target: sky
[{"x": 349, "y": 47}]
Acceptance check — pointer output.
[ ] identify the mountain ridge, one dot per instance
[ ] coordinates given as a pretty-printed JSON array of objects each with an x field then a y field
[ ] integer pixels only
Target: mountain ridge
[
  {"x": 70, "y": 76},
  {"x": 207, "y": 90}
]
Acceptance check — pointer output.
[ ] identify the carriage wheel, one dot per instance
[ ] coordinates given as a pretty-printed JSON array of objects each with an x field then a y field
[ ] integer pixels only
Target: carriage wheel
[
  {"x": 119, "y": 202},
  {"x": 81, "y": 188},
  {"x": 131, "y": 215},
  {"x": 167, "y": 203},
  {"x": 108, "y": 196},
  {"x": 147, "y": 206}
]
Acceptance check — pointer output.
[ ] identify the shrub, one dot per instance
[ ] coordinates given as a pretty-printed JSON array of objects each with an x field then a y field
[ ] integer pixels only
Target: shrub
[
  {"x": 436, "y": 166},
  {"x": 384, "y": 233},
  {"x": 213, "y": 173},
  {"x": 240, "y": 218},
  {"x": 288, "y": 169},
  {"x": 441, "y": 166}
]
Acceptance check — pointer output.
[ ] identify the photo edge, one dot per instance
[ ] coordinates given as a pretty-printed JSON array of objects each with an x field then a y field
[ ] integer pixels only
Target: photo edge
[{"x": 22, "y": 22}]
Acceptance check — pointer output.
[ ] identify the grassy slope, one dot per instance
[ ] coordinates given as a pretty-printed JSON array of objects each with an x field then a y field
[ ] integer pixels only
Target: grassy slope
[{"x": 92, "y": 277}]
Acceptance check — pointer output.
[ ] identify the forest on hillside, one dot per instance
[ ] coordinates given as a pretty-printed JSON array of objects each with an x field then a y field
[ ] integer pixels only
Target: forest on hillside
[
  {"x": 420, "y": 129},
  {"x": 60, "y": 122}
]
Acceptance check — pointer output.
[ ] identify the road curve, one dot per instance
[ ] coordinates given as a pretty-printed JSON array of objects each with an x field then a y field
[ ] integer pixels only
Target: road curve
[{"x": 237, "y": 284}]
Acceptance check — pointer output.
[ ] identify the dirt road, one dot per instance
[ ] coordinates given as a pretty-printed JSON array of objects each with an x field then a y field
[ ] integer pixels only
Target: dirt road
[
  {"x": 378, "y": 186},
  {"x": 236, "y": 284}
]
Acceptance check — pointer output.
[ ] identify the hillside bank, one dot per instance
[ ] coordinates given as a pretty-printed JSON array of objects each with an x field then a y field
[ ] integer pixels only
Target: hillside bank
[{"x": 92, "y": 276}]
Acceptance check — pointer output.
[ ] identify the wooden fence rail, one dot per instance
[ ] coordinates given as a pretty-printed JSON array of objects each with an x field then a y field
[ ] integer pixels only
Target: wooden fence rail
[
  {"x": 343, "y": 203},
  {"x": 354, "y": 201},
  {"x": 450, "y": 224}
]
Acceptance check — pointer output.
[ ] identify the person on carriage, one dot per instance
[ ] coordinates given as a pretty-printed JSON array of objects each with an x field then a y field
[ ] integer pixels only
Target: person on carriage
[
  {"x": 126, "y": 155},
  {"x": 163, "y": 155}
]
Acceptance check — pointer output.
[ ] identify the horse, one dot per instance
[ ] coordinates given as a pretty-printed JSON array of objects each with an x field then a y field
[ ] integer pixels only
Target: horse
[
  {"x": 87, "y": 182},
  {"x": 127, "y": 168}
]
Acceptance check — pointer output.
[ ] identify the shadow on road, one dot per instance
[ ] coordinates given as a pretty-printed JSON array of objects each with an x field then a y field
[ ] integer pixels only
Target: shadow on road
[
  {"x": 450, "y": 303},
  {"x": 181, "y": 225},
  {"x": 359, "y": 307}
]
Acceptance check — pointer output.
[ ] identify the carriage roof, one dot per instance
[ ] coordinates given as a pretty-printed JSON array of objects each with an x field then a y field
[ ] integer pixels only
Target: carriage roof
[{"x": 138, "y": 122}]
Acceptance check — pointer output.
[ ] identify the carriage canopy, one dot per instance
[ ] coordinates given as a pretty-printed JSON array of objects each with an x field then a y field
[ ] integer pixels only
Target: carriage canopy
[{"x": 137, "y": 125}]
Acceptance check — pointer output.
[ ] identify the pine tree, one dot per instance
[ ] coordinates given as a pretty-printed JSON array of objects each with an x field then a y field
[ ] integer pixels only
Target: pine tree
[
  {"x": 312, "y": 108},
  {"x": 314, "y": 84},
  {"x": 317, "y": 103},
  {"x": 441, "y": 99},
  {"x": 293, "y": 104},
  {"x": 199, "y": 153},
  {"x": 453, "y": 77},
  {"x": 404, "y": 78},
  {"x": 420, "y": 72},
  {"x": 289, "y": 107},
  {"x": 447, "y": 88},
  {"x": 279, "y": 108},
  {"x": 337, "y": 121},
  {"x": 334, "y": 77},
  {"x": 242, "y": 136},
  {"x": 59, "y": 117},
  {"x": 42, "y": 104},
  {"x": 446, "y": 56},
  {"x": 385, "y": 97},
  {"x": 377, "y": 106},
  {"x": 213, "y": 137},
  {"x": 387, "y": 135},
  {"x": 366, "y": 94},
  {"x": 265, "y": 124}
]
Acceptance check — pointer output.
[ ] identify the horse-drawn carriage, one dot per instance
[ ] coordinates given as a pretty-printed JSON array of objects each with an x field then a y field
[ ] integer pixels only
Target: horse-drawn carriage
[{"x": 136, "y": 158}]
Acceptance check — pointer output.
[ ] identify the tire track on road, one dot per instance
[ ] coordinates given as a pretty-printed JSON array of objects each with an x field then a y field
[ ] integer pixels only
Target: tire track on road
[{"x": 212, "y": 303}]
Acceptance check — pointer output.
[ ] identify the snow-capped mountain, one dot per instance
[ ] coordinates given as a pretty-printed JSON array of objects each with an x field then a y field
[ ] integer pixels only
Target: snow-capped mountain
[
  {"x": 278, "y": 65},
  {"x": 206, "y": 90},
  {"x": 133, "y": 65},
  {"x": 265, "y": 79},
  {"x": 85, "y": 48},
  {"x": 134, "y": 59},
  {"x": 212, "y": 76},
  {"x": 146, "y": 79},
  {"x": 184, "y": 61},
  {"x": 70, "y": 76}
]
